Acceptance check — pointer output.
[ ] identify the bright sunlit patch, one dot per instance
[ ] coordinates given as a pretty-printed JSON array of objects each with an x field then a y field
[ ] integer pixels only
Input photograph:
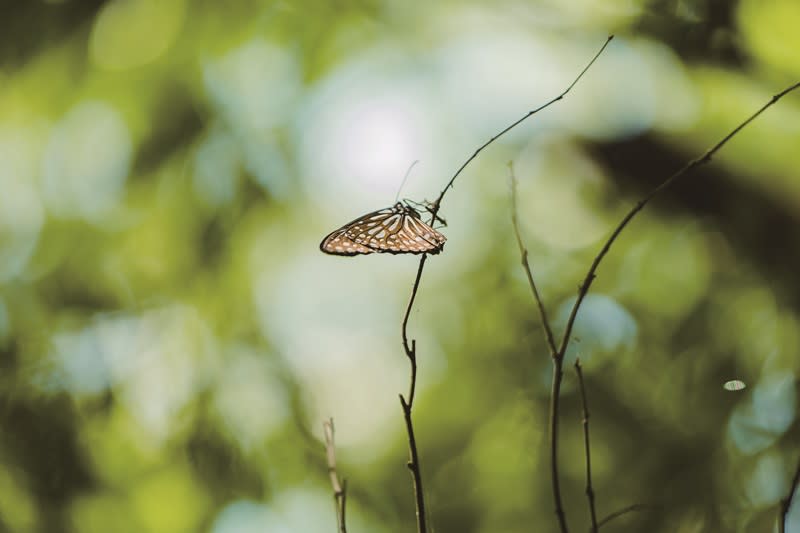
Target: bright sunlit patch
[
  {"x": 370, "y": 144},
  {"x": 86, "y": 162},
  {"x": 361, "y": 129},
  {"x": 132, "y": 33},
  {"x": 734, "y": 385},
  {"x": 378, "y": 143}
]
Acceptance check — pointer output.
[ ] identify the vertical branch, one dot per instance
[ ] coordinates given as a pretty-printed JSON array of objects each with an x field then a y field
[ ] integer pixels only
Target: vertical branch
[
  {"x": 592, "y": 273},
  {"x": 408, "y": 403},
  {"x": 555, "y": 398},
  {"x": 586, "y": 446},
  {"x": 556, "y": 356},
  {"x": 786, "y": 503},
  {"x": 339, "y": 488},
  {"x": 411, "y": 348}
]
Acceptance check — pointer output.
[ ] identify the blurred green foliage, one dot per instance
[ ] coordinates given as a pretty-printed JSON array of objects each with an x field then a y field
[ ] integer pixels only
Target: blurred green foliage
[{"x": 171, "y": 339}]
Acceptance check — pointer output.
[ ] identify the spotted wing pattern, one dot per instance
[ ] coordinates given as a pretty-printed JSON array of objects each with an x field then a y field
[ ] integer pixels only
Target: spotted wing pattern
[{"x": 395, "y": 230}]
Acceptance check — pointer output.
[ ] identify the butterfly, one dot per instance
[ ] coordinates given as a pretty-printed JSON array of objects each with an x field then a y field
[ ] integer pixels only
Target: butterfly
[{"x": 396, "y": 230}]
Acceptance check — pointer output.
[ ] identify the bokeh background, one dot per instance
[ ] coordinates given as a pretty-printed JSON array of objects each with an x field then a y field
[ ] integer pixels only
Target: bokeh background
[{"x": 171, "y": 338}]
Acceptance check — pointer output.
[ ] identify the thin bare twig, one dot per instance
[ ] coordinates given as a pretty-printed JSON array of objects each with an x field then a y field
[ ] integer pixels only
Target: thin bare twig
[
  {"x": 410, "y": 348},
  {"x": 786, "y": 503},
  {"x": 407, "y": 405},
  {"x": 339, "y": 488},
  {"x": 438, "y": 202},
  {"x": 623, "y": 511},
  {"x": 555, "y": 399},
  {"x": 523, "y": 252},
  {"x": 558, "y": 355},
  {"x": 705, "y": 158},
  {"x": 558, "y": 362},
  {"x": 587, "y": 448}
]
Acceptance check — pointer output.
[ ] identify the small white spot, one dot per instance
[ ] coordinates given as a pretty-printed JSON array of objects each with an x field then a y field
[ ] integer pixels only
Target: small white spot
[{"x": 734, "y": 385}]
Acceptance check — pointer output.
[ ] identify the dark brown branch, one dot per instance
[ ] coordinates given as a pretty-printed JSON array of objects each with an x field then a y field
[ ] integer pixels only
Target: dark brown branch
[
  {"x": 555, "y": 398},
  {"x": 523, "y": 252},
  {"x": 591, "y": 274},
  {"x": 786, "y": 503},
  {"x": 705, "y": 158},
  {"x": 339, "y": 488},
  {"x": 587, "y": 448},
  {"x": 556, "y": 356},
  {"x": 413, "y": 466},
  {"x": 411, "y": 348},
  {"x": 558, "y": 361},
  {"x": 407, "y": 405},
  {"x": 621, "y": 512}
]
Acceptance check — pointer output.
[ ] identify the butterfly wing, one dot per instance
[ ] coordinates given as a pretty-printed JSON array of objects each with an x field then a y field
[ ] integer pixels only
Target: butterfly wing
[
  {"x": 394, "y": 230},
  {"x": 401, "y": 233},
  {"x": 338, "y": 243}
]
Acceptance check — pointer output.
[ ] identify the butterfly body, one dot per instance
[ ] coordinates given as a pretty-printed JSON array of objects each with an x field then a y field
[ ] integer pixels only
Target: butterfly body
[{"x": 395, "y": 230}]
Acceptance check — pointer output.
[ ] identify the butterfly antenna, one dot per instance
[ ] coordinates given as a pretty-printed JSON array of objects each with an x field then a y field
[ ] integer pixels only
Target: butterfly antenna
[{"x": 404, "y": 180}]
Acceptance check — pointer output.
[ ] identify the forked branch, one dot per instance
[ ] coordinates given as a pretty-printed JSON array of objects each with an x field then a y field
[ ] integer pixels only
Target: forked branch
[
  {"x": 557, "y": 359},
  {"x": 558, "y": 355},
  {"x": 410, "y": 347}
]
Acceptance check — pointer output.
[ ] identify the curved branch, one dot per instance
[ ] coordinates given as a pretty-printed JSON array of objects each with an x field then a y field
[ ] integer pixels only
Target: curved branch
[
  {"x": 523, "y": 252},
  {"x": 705, "y": 158},
  {"x": 621, "y": 512},
  {"x": 519, "y": 121},
  {"x": 410, "y": 347}
]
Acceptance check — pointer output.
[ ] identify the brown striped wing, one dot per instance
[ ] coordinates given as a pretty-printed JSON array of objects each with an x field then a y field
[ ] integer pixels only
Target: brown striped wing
[{"x": 394, "y": 230}]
